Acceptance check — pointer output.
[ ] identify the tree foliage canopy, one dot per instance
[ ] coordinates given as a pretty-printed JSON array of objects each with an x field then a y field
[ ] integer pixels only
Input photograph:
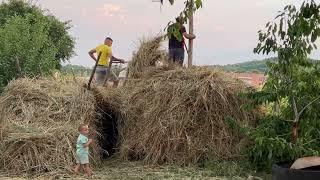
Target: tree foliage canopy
[
  {"x": 293, "y": 84},
  {"x": 32, "y": 42},
  {"x": 292, "y": 36}
]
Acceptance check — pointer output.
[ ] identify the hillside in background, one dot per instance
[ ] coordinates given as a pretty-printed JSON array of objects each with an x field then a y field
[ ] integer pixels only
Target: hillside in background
[{"x": 258, "y": 66}]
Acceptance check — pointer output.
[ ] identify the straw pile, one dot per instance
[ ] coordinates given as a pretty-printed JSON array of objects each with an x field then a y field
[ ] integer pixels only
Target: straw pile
[
  {"x": 38, "y": 125},
  {"x": 108, "y": 113},
  {"x": 179, "y": 115},
  {"x": 146, "y": 56}
]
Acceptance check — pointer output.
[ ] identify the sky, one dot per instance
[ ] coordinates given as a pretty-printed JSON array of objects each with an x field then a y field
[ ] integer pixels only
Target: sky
[{"x": 226, "y": 30}]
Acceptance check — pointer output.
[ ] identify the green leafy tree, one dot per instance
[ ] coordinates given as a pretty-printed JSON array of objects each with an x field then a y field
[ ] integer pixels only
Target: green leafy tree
[
  {"x": 294, "y": 77},
  {"x": 31, "y": 43},
  {"x": 58, "y": 31},
  {"x": 78, "y": 70},
  {"x": 26, "y": 48},
  {"x": 294, "y": 81}
]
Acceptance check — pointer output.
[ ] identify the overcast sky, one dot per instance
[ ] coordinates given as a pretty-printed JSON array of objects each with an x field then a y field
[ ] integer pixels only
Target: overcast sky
[{"x": 226, "y": 30}]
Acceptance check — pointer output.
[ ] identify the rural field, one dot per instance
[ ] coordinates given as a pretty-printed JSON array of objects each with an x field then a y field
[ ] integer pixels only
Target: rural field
[
  {"x": 91, "y": 84},
  {"x": 117, "y": 169}
]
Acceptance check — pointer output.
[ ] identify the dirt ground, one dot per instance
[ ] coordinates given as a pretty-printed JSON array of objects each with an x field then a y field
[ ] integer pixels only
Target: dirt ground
[{"x": 115, "y": 169}]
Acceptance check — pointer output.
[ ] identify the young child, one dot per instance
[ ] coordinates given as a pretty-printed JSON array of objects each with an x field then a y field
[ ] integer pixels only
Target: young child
[{"x": 82, "y": 154}]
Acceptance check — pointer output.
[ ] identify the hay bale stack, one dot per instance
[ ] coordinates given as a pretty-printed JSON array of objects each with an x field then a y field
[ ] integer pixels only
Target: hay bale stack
[
  {"x": 147, "y": 55},
  {"x": 38, "y": 125},
  {"x": 180, "y": 116}
]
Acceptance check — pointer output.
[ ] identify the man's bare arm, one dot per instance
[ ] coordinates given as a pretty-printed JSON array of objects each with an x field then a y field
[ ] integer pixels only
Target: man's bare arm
[
  {"x": 114, "y": 59},
  {"x": 189, "y": 36},
  {"x": 91, "y": 54},
  {"x": 88, "y": 143}
]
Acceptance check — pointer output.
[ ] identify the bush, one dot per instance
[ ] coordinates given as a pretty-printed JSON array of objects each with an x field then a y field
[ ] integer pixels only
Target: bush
[
  {"x": 271, "y": 142},
  {"x": 31, "y": 43}
]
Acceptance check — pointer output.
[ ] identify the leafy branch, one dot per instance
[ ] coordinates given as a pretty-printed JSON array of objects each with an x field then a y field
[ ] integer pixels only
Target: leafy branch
[{"x": 292, "y": 35}]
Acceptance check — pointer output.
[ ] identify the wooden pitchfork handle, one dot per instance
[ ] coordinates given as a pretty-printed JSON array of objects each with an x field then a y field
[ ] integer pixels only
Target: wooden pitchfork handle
[{"x": 94, "y": 70}]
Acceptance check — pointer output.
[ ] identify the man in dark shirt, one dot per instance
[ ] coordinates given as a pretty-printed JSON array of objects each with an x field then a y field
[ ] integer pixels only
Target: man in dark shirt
[{"x": 176, "y": 34}]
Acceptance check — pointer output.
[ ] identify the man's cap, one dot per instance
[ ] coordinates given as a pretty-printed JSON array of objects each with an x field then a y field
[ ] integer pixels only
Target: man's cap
[{"x": 109, "y": 38}]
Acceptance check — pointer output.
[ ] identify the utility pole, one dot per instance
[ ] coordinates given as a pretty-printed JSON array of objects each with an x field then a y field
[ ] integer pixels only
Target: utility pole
[
  {"x": 190, "y": 52},
  {"x": 158, "y": 1}
]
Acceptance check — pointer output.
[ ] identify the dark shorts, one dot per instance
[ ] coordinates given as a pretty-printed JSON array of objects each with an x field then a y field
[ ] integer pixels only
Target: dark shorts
[
  {"x": 177, "y": 55},
  {"x": 101, "y": 74}
]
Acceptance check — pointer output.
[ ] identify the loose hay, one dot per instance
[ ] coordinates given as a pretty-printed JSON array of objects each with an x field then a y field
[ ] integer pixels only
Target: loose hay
[
  {"x": 108, "y": 113},
  {"x": 38, "y": 125},
  {"x": 147, "y": 55},
  {"x": 180, "y": 116}
]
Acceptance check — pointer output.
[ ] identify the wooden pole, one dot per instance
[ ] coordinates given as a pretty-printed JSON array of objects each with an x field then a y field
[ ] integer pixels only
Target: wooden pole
[
  {"x": 190, "y": 52},
  {"x": 93, "y": 71}
]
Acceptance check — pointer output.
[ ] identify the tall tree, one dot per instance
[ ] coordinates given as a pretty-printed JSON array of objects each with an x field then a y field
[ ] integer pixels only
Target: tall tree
[
  {"x": 293, "y": 77},
  {"x": 31, "y": 42}
]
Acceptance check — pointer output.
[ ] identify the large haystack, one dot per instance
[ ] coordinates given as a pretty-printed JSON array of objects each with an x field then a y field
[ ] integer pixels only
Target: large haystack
[
  {"x": 181, "y": 116},
  {"x": 38, "y": 125},
  {"x": 178, "y": 115}
]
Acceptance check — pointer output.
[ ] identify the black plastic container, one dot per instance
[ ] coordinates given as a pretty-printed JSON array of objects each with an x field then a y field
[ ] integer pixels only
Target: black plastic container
[{"x": 283, "y": 172}]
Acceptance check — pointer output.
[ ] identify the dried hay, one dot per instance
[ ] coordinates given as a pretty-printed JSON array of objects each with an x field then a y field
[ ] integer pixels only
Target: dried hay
[
  {"x": 180, "y": 116},
  {"x": 147, "y": 55},
  {"x": 38, "y": 125},
  {"x": 108, "y": 98},
  {"x": 108, "y": 112}
]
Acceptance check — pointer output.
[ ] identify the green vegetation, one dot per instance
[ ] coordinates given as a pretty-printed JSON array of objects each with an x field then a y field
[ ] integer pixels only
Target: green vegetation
[
  {"x": 292, "y": 129},
  {"x": 250, "y": 66},
  {"x": 82, "y": 71},
  {"x": 77, "y": 70},
  {"x": 257, "y": 66},
  {"x": 31, "y": 43},
  {"x": 189, "y": 8}
]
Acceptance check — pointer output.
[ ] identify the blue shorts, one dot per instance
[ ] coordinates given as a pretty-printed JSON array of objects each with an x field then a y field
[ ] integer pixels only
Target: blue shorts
[
  {"x": 177, "y": 55},
  {"x": 82, "y": 158}
]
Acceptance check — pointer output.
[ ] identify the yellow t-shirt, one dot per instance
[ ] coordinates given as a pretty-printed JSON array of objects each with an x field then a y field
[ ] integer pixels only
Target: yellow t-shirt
[{"x": 106, "y": 52}]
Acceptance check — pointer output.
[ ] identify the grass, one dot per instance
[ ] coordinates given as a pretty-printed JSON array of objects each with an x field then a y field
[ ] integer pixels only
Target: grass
[{"x": 117, "y": 169}]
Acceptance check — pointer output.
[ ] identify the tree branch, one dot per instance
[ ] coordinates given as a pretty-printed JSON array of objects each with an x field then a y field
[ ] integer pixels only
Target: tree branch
[
  {"x": 295, "y": 109},
  {"x": 310, "y": 103}
]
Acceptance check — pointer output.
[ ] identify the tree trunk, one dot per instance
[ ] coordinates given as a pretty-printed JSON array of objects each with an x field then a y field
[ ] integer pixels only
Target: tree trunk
[
  {"x": 18, "y": 67},
  {"x": 276, "y": 107},
  {"x": 190, "y": 52},
  {"x": 294, "y": 136},
  {"x": 297, "y": 115}
]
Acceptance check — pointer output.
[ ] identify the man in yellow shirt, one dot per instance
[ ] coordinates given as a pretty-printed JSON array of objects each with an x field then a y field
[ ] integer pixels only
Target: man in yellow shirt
[{"x": 103, "y": 68}]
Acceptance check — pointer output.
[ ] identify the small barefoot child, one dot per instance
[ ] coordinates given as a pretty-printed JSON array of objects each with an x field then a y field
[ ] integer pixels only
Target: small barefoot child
[{"x": 82, "y": 154}]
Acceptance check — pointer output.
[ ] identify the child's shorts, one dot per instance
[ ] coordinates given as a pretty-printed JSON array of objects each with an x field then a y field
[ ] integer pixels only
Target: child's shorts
[{"x": 82, "y": 158}]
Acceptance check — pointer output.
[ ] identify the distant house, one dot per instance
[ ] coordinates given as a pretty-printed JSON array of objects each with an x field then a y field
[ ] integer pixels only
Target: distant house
[{"x": 252, "y": 79}]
